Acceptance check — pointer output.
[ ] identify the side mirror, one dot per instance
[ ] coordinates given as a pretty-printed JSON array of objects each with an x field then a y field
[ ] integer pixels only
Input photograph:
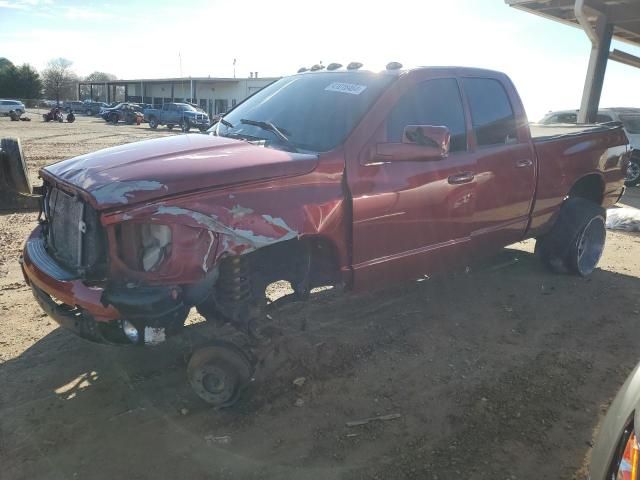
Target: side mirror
[{"x": 419, "y": 143}]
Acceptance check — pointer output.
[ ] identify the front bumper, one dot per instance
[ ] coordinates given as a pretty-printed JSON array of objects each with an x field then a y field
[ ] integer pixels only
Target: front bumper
[
  {"x": 92, "y": 312},
  {"x": 198, "y": 122}
]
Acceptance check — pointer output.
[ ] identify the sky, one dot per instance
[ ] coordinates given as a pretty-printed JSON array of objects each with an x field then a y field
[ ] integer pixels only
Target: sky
[{"x": 154, "y": 38}]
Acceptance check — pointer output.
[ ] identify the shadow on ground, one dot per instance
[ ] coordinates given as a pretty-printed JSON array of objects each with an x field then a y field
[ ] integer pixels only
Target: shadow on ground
[{"x": 502, "y": 371}]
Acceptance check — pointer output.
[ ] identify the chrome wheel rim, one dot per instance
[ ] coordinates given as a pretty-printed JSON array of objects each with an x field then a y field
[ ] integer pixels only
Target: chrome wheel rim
[
  {"x": 591, "y": 245},
  {"x": 633, "y": 172}
]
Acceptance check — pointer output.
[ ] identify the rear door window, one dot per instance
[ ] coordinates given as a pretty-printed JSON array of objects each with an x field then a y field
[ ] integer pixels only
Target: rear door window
[
  {"x": 494, "y": 122},
  {"x": 434, "y": 102}
]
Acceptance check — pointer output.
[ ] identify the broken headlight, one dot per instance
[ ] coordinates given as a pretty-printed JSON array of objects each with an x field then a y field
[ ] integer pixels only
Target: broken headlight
[
  {"x": 156, "y": 242},
  {"x": 143, "y": 246}
]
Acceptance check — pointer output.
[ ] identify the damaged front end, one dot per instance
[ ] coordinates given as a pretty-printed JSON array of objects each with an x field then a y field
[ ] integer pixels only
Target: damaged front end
[{"x": 132, "y": 275}]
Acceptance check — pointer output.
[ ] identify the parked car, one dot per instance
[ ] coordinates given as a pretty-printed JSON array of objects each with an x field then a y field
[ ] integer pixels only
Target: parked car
[
  {"x": 616, "y": 451},
  {"x": 122, "y": 112},
  {"x": 181, "y": 114},
  {"x": 630, "y": 118},
  {"x": 7, "y": 106},
  {"x": 328, "y": 178},
  {"x": 76, "y": 106},
  {"x": 93, "y": 108}
]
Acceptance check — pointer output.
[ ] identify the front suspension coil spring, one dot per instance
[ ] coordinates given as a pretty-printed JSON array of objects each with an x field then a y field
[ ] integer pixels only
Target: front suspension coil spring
[{"x": 234, "y": 284}]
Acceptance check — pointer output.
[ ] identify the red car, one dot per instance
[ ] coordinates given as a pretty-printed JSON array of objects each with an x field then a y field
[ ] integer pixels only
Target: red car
[{"x": 343, "y": 177}]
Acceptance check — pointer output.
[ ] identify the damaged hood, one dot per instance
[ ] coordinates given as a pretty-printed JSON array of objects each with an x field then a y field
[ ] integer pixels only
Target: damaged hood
[{"x": 152, "y": 169}]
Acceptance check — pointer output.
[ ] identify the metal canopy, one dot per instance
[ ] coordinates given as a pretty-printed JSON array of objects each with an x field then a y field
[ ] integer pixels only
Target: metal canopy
[
  {"x": 602, "y": 21},
  {"x": 624, "y": 15}
]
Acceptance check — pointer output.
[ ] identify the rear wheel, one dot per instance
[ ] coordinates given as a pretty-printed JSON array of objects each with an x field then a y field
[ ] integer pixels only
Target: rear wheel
[
  {"x": 577, "y": 239},
  {"x": 185, "y": 126},
  {"x": 633, "y": 173},
  {"x": 113, "y": 118},
  {"x": 12, "y": 159},
  {"x": 153, "y": 123}
]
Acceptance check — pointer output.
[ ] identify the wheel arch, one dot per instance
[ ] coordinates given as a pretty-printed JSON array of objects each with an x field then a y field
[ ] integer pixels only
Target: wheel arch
[{"x": 590, "y": 187}]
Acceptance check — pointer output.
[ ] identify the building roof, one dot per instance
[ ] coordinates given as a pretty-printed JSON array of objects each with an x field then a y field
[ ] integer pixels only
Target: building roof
[
  {"x": 180, "y": 80},
  {"x": 624, "y": 15}
]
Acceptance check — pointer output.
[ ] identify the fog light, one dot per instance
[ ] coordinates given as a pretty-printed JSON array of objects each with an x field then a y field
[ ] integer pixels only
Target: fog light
[{"x": 130, "y": 331}]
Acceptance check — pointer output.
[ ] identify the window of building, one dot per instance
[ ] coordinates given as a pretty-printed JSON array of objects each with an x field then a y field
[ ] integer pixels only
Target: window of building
[
  {"x": 494, "y": 122},
  {"x": 434, "y": 102}
]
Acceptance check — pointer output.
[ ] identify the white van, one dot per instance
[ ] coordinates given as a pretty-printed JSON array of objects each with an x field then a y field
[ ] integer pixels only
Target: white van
[{"x": 7, "y": 105}]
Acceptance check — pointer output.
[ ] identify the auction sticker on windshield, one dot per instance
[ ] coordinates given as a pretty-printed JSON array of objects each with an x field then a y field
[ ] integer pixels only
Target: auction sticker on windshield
[{"x": 351, "y": 88}]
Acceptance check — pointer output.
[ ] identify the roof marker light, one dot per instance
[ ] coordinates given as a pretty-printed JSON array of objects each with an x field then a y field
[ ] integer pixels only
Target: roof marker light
[
  {"x": 334, "y": 66},
  {"x": 354, "y": 66},
  {"x": 302, "y": 69},
  {"x": 317, "y": 67},
  {"x": 394, "y": 66}
]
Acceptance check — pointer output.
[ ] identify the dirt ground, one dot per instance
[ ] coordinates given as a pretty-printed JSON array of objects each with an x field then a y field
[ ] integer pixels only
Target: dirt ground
[{"x": 502, "y": 372}]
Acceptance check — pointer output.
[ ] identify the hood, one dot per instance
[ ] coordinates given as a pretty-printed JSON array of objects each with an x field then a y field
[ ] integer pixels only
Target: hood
[{"x": 152, "y": 169}]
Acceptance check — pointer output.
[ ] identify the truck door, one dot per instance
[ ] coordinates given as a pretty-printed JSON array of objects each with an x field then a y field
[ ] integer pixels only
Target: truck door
[
  {"x": 411, "y": 218},
  {"x": 505, "y": 176}
]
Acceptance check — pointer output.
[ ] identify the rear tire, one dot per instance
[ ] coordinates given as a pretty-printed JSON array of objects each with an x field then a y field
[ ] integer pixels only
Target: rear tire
[
  {"x": 113, "y": 118},
  {"x": 153, "y": 123},
  {"x": 184, "y": 125},
  {"x": 577, "y": 239},
  {"x": 13, "y": 163}
]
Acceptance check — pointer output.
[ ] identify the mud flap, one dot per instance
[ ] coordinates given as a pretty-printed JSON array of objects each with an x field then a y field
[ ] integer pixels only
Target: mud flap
[{"x": 15, "y": 187}]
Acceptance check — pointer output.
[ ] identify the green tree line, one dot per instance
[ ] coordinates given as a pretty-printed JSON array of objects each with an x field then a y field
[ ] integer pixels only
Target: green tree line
[
  {"x": 19, "y": 81},
  {"x": 56, "y": 82}
]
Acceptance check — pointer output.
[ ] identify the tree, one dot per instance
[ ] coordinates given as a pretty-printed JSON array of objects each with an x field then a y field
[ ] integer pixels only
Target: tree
[
  {"x": 59, "y": 80},
  {"x": 19, "y": 82},
  {"x": 97, "y": 77},
  {"x": 29, "y": 83}
]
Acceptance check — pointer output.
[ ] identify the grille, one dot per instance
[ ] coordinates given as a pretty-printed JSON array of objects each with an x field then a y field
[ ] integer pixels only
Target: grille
[{"x": 75, "y": 237}]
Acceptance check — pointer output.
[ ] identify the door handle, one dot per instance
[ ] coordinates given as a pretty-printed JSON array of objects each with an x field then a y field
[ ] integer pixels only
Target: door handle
[
  {"x": 524, "y": 163},
  {"x": 465, "y": 177}
]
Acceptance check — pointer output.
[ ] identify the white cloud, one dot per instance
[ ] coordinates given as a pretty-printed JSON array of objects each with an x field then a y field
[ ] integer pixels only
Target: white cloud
[{"x": 23, "y": 4}]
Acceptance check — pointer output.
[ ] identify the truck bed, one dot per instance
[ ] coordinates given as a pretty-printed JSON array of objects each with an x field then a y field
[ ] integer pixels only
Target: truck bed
[
  {"x": 542, "y": 133},
  {"x": 569, "y": 152}
]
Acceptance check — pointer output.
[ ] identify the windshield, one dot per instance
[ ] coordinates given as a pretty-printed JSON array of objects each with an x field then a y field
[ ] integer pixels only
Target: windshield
[
  {"x": 315, "y": 111},
  {"x": 186, "y": 108},
  {"x": 631, "y": 123}
]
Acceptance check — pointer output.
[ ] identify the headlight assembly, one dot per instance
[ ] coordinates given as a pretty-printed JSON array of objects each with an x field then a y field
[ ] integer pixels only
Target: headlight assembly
[
  {"x": 156, "y": 241},
  {"x": 143, "y": 246}
]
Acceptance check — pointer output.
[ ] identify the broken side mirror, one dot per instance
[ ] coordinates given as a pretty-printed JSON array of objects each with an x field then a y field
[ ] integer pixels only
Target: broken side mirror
[{"x": 419, "y": 143}]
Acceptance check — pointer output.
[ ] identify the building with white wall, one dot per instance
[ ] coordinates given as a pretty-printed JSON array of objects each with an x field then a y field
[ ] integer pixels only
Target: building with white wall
[{"x": 212, "y": 94}]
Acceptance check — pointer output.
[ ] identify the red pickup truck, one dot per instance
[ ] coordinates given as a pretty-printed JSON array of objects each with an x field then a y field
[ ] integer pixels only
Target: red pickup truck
[{"x": 331, "y": 177}]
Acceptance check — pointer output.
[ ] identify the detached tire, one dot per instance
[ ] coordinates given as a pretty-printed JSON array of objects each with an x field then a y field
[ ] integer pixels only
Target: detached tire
[
  {"x": 219, "y": 374},
  {"x": 114, "y": 118},
  {"x": 12, "y": 163},
  {"x": 576, "y": 241},
  {"x": 632, "y": 177}
]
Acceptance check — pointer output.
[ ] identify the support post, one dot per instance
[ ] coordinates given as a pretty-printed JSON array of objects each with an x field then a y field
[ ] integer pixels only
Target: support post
[
  {"x": 78, "y": 90},
  {"x": 596, "y": 71},
  {"x": 172, "y": 92},
  {"x": 108, "y": 93},
  {"x": 91, "y": 91}
]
